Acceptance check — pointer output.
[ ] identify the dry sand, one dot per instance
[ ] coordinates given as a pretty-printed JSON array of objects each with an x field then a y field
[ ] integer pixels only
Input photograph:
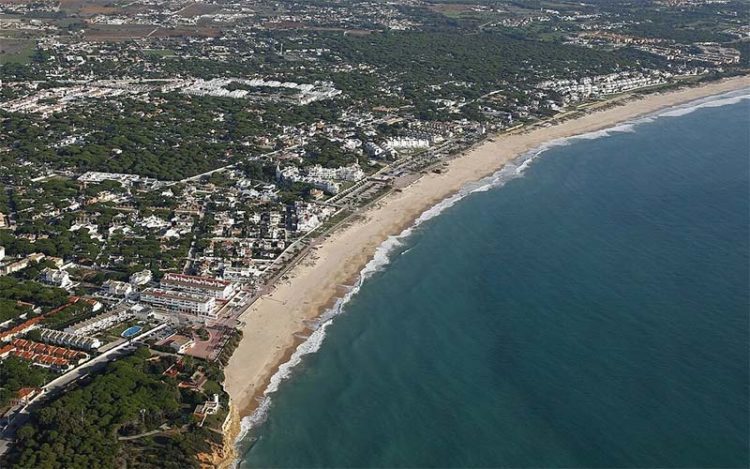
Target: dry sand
[{"x": 273, "y": 323}]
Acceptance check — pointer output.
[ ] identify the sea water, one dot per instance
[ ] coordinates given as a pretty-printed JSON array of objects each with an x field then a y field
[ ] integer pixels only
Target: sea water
[{"x": 585, "y": 307}]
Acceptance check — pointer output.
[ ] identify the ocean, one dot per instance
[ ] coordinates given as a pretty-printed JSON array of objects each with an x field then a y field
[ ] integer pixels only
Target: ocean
[{"x": 585, "y": 307}]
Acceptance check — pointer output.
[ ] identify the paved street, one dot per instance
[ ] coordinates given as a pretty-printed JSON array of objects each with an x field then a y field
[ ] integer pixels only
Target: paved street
[{"x": 55, "y": 386}]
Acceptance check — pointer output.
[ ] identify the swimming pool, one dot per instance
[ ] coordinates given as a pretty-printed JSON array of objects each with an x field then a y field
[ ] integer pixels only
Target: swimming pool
[{"x": 131, "y": 331}]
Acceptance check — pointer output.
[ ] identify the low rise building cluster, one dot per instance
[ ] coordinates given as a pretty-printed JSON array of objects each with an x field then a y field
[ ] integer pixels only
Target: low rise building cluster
[
  {"x": 101, "y": 322},
  {"x": 326, "y": 179},
  {"x": 48, "y": 356},
  {"x": 574, "y": 90},
  {"x": 68, "y": 339},
  {"x": 191, "y": 294}
]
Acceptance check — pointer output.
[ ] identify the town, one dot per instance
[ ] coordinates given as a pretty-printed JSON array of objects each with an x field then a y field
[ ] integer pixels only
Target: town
[{"x": 165, "y": 164}]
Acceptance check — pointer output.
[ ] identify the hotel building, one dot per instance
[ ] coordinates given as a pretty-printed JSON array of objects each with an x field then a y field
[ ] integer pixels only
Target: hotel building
[
  {"x": 200, "y": 305},
  {"x": 204, "y": 286}
]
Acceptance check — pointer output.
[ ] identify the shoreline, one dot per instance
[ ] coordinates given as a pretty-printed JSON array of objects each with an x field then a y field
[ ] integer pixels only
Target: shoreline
[{"x": 273, "y": 325}]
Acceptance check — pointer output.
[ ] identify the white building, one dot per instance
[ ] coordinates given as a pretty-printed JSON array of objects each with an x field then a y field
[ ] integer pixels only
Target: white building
[
  {"x": 181, "y": 344},
  {"x": 141, "y": 278},
  {"x": 69, "y": 340},
  {"x": 117, "y": 288},
  {"x": 352, "y": 144},
  {"x": 180, "y": 301},
  {"x": 124, "y": 179},
  {"x": 205, "y": 286},
  {"x": 209, "y": 407},
  {"x": 100, "y": 322},
  {"x": 55, "y": 277},
  {"x": 343, "y": 173},
  {"x": 322, "y": 178},
  {"x": 407, "y": 143},
  {"x": 241, "y": 273},
  {"x": 21, "y": 264},
  {"x": 374, "y": 151}
]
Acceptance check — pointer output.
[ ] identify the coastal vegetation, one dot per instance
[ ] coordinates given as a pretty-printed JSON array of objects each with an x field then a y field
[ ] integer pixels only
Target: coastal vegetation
[
  {"x": 32, "y": 293},
  {"x": 16, "y": 374},
  {"x": 93, "y": 425}
]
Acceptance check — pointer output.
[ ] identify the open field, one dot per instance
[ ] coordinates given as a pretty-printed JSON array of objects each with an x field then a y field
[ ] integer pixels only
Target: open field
[
  {"x": 16, "y": 50},
  {"x": 192, "y": 10},
  {"x": 117, "y": 33}
]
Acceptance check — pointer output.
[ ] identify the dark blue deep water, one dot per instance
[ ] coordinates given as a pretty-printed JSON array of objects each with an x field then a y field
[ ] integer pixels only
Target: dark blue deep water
[{"x": 592, "y": 313}]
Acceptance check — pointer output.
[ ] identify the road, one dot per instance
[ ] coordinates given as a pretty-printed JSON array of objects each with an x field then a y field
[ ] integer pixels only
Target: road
[
  {"x": 94, "y": 364},
  {"x": 58, "y": 384},
  {"x": 231, "y": 165}
]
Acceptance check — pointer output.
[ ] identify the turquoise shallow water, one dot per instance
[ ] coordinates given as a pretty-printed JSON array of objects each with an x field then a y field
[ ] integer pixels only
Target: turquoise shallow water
[{"x": 592, "y": 313}]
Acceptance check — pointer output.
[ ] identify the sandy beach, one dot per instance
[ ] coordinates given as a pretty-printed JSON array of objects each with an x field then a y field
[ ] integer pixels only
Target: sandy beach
[{"x": 274, "y": 323}]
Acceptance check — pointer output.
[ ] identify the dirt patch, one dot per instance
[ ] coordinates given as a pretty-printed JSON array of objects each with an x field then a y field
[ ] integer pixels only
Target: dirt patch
[
  {"x": 16, "y": 50},
  {"x": 197, "y": 9},
  {"x": 88, "y": 8},
  {"x": 285, "y": 25},
  {"x": 307, "y": 27},
  {"x": 117, "y": 33},
  {"x": 93, "y": 9},
  {"x": 452, "y": 8}
]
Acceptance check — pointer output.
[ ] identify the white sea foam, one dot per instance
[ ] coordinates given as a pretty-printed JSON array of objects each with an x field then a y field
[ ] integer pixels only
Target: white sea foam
[
  {"x": 381, "y": 258},
  {"x": 725, "y": 99},
  {"x": 713, "y": 101},
  {"x": 315, "y": 339}
]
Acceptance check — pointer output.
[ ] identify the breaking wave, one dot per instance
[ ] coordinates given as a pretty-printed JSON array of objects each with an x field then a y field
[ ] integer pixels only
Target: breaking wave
[
  {"x": 381, "y": 257},
  {"x": 725, "y": 99}
]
